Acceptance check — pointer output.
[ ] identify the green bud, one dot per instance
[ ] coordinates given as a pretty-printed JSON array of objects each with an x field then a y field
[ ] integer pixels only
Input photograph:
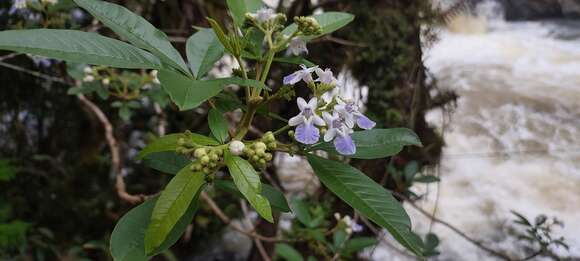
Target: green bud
[
  {"x": 322, "y": 130},
  {"x": 196, "y": 167},
  {"x": 206, "y": 170},
  {"x": 272, "y": 145},
  {"x": 268, "y": 156},
  {"x": 204, "y": 160},
  {"x": 199, "y": 153},
  {"x": 255, "y": 158},
  {"x": 260, "y": 146},
  {"x": 281, "y": 18},
  {"x": 262, "y": 162},
  {"x": 260, "y": 152},
  {"x": 212, "y": 165},
  {"x": 268, "y": 137},
  {"x": 181, "y": 142},
  {"x": 213, "y": 157},
  {"x": 291, "y": 133},
  {"x": 308, "y": 25}
]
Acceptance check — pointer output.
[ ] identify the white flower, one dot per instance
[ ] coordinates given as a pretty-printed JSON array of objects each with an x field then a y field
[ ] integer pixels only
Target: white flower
[
  {"x": 237, "y": 147},
  {"x": 264, "y": 15},
  {"x": 19, "y": 4},
  {"x": 154, "y": 76},
  {"x": 106, "y": 81},
  {"x": 88, "y": 78},
  {"x": 297, "y": 46},
  {"x": 326, "y": 76},
  {"x": 304, "y": 74}
]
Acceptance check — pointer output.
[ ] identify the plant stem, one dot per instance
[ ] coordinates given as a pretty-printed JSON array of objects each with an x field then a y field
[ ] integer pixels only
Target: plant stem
[
  {"x": 245, "y": 76},
  {"x": 246, "y": 121}
]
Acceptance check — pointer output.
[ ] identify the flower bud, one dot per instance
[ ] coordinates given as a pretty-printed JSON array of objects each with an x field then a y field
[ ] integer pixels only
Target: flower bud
[
  {"x": 206, "y": 170},
  {"x": 268, "y": 156},
  {"x": 204, "y": 160},
  {"x": 272, "y": 145},
  {"x": 268, "y": 137},
  {"x": 213, "y": 157},
  {"x": 88, "y": 70},
  {"x": 255, "y": 158},
  {"x": 260, "y": 152},
  {"x": 212, "y": 165},
  {"x": 262, "y": 162},
  {"x": 106, "y": 81},
  {"x": 199, "y": 153},
  {"x": 308, "y": 25},
  {"x": 260, "y": 146},
  {"x": 89, "y": 78},
  {"x": 180, "y": 141},
  {"x": 237, "y": 147}
]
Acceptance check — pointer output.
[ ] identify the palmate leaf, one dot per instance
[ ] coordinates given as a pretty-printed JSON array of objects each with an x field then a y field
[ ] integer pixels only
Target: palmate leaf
[
  {"x": 203, "y": 51},
  {"x": 169, "y": 143},
  {"x": 239, "y": 8},
  {"x": 329, "y": 21},
  {"x": 368, "y": 198},
  {"x": 136, "y": 30},
  {"x": 377, "y": 143},
  {"x": 128, "y": 238},
  {"x": 248, "y": 183},
  {"x": 79, "y": 47},
  {"x": 187, "y": 93},
  {"x": 171, "y": 206}
]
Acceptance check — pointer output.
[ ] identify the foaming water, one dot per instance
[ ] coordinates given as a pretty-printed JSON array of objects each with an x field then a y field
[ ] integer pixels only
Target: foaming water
[{"x": 513, "y": 142}]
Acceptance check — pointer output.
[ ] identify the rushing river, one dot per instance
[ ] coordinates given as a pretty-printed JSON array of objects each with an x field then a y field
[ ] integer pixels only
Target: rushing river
[{"x": 513, "y": 142}]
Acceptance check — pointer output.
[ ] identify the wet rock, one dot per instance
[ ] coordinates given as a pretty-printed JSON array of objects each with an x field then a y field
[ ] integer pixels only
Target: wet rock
[
  {"x": 570, "y": 8},
  {"x": 532, "y": 9}
]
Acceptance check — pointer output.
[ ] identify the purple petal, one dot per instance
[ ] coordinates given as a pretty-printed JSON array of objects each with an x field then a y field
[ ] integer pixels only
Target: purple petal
[
  {"x": 291, "y": 79},
  {"x": 344, "y": 145},
  {"x": 307, "y": 133},
  {"x": 365, "y": 123}
]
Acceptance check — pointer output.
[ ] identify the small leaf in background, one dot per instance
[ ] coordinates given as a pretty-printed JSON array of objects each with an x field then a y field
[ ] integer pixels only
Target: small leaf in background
[
  {"x": 301, "y": 210},
  {"x": 329, "y": 21},
  {"x": 377, "y": 143},
  {"x": 79, "y": 47},
  {"x": 274, "y": 196},
  {"x": 431, "y": 244},
  {"x": 287, "y": 252},
  {"x": 168, "y": 162},
  {"x": 239, "y": 8},
  {"x": 203, "y": 51},
  {"x": 368, "y": 198},
  {"x": 7, "y": 171},
  {"x": 218, "y": 125},
  {"x": 338, "y": 238},
  {"x": 136, "y": 30},
  {"x": 169, "y": 143},
  {"x": 248, "y": 183},
  {"x": 172, "y": 205},
  {"x": 411, "y": 169}
]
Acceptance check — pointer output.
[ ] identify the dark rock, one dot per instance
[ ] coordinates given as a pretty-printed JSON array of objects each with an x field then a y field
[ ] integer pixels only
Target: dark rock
[
  {"x": 532, "y": 9},
  {"x": 570, "y": 8}
]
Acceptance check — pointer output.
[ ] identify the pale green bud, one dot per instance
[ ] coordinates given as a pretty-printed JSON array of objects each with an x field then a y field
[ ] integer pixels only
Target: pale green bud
[
  {"x": 260, "y": 146},
  {"x": 204, "y": 160},
  {"x": 268, "y": 156},
  {"x": 199, "y": 153}
]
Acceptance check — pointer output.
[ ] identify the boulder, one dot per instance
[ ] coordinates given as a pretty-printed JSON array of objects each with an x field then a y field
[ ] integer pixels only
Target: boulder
[{"x": 570, "y": 8}]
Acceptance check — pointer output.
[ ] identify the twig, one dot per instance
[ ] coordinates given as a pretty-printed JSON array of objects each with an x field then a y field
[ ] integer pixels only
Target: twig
[
  {"x": 224, "y": 218},
  {"x": 258, "y": 242},
  {"x": 456, "y": 230},
  {"x": 33, "y": 73},
  {"x": 115, "y": 155},
  {"x": 8, "y": 56}
]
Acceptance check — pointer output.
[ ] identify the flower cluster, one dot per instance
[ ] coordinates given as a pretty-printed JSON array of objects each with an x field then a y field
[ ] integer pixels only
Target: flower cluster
[
  {"x": 339, "y": 115},
  {"x": 208, "y": 159},
  {"x": 351, "y": 226}
]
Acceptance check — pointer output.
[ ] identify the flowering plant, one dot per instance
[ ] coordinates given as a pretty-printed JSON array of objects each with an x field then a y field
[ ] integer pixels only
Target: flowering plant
[{"x": 324, "y": 129}]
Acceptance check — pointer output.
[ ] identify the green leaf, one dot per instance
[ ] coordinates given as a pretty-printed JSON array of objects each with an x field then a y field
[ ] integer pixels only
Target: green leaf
[
  {"x": 368, "y": 198},
  {"x": 248, "y": 183},
  {"x": 329, "y": 21},
  {"x": 219, "y": 32},
  {"x": 218, "y": 125},
  {"x": 77, "y": 46},
  {"x": 167, "y": 161},
  {"x": 169, "y": 143},
  {"x": 127, "y": 240},
  {"x": 300, "y": 209},
  {"x": 358, "y": 244},
  {"x": 287, "y": 252},
  {"x": 228, "y": 101},
  {"x": 239, "y": 8},
  {"x": 7, "y": 171},
  {"x": 377, "y": 143},
  {"x": 203, "y": 51},
  {"x": 136, "y": 30},
  {"x": 274, "y": 196},
  {"x": 426, "y": 179},
  {"x": 171, "y": 206},
  {"x": 187, "y": 93}
]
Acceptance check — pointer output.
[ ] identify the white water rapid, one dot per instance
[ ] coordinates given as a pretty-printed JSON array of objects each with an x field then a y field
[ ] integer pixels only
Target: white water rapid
[{"x": 513, "y": 142}]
